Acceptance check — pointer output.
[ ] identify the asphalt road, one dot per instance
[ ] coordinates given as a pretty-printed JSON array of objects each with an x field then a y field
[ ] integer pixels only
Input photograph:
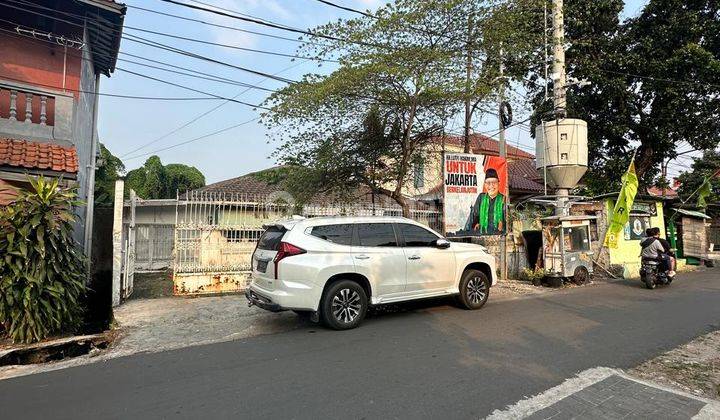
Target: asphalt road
[{"x": 427, "y": 362}]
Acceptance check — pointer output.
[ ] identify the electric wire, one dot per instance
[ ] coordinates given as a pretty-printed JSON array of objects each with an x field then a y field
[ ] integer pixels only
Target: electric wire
[
  {"x": 214, "y": 133},
  {"x": 198, "y": 117},
  {"x": 189, "y": 72},
  {"x": 155, "y": 44},
  {"x": 115, "y": 95},
  {"x": 273, "y": 24},
  {"x": 348, "y": 9},
  {"x": 194, "y": 90}
]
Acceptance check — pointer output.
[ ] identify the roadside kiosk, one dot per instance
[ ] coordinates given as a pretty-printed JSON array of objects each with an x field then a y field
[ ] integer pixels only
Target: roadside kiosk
[{"x": 567, "y": 250}]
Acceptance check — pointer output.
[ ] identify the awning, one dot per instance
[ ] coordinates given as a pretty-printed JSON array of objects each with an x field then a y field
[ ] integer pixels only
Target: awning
[{"x": 693, "y": 213}]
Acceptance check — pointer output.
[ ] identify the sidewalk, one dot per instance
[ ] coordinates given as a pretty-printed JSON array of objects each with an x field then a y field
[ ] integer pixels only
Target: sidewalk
[
  {"x": 604, "y": 393},
  {"x": 683, "y": 383}
]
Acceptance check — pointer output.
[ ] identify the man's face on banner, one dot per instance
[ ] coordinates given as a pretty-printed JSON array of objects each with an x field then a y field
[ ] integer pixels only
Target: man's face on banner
[{"x": 492, "y": 186}]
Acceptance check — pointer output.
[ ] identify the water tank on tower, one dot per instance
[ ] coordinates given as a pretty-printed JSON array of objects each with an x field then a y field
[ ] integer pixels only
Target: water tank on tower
[{"x": 562, "y": 152}]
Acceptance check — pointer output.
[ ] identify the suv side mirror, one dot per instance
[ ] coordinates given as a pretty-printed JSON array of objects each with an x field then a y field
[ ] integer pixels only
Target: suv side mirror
[{"x": 442, "y": 243}]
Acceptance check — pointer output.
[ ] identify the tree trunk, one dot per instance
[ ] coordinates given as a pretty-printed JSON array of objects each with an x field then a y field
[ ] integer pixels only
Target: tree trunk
[
  {"x": 644, "y": 159},
  {"x": 397, "y": 196},
  {"x": 402, "y": 201}
]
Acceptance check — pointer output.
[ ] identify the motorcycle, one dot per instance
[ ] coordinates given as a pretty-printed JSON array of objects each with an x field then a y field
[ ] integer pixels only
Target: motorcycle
[{"x": 652, "y": 275}]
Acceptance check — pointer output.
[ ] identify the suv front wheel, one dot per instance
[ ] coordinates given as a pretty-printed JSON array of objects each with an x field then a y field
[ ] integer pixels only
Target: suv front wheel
[
  {"x": 344, "y": 305},
  {"x": 474, "y": 289}
]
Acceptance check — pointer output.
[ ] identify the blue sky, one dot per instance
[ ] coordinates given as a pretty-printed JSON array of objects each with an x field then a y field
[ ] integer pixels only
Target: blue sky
[{"x": 128, "y": 124}]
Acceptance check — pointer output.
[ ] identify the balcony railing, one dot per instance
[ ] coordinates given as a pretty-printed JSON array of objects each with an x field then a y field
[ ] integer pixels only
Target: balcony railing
[{"x": 35, "y": 113}]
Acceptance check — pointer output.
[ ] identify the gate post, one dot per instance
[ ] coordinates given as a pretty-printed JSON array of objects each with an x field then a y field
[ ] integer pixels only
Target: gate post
[
  {"x": 117, "y": 241},
  {"x": 127, "y": 287}
]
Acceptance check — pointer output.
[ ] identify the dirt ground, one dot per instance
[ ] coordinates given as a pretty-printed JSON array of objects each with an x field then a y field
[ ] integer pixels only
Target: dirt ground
[
  {"x": 693, "y": 367},
  {"x": 152, "y": 285},
  {"x": 515, "y": 288}
]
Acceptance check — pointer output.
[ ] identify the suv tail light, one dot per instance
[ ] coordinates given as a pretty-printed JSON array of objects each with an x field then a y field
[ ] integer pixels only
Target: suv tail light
[{"x": 286, "y": 250}]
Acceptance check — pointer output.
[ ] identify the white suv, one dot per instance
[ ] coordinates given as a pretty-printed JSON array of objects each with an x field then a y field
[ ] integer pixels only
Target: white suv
[{"x": 335, "y": 267}]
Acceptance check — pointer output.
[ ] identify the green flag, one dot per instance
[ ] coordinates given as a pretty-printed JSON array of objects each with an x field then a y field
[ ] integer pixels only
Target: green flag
[
  {"x": 621, "y": 212},
  {"x": 703, "y": 193}
]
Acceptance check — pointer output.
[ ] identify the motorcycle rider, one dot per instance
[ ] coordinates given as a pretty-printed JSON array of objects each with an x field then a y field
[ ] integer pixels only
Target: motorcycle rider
[{"x": 654, "y": 249}]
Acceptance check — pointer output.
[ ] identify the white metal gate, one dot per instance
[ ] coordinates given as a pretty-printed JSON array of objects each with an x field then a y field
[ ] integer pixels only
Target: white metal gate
[
  {"x": 215, "y": 235},
  {"x": 154, "y": 246}
]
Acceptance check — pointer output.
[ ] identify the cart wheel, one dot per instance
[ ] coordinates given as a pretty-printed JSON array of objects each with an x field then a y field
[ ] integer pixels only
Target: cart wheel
[{"x": 581, "y": 275}]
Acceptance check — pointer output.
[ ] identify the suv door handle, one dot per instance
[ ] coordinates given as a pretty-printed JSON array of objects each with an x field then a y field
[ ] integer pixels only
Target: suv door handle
[
  {"x": 414, "y": 257},
  {"x": 362, "y": 257}
]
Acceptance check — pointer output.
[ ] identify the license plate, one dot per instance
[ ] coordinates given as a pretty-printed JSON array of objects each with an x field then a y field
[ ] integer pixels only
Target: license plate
[{"x": 262, "y": 266}]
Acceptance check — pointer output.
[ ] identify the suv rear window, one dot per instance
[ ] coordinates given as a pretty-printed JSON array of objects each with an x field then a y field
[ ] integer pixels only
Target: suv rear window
[
  {"x": 337, "y": 234},
  {"x": 376, "y": 234},
  {"x": 270, "y": 240}
]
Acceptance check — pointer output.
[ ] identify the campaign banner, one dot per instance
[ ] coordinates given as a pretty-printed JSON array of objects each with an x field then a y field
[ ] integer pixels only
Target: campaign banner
[{"x": 474, "y": 200}]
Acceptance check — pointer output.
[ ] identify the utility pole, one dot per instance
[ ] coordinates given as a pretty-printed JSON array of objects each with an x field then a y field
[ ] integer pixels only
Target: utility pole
[
  {"x": 468, "y": 75},
  {"x": 559, "y": 76},
  {"x": 503, "y": 154}
]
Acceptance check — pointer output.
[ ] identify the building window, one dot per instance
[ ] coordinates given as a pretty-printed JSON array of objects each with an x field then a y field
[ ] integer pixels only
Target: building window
[{"x": 419, "y": 181}]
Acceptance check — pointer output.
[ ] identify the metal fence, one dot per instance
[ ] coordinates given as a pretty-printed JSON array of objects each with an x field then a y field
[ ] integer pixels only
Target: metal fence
[
  {"x": 215, "y": 234},
  {"x": 154, "y": 246}
]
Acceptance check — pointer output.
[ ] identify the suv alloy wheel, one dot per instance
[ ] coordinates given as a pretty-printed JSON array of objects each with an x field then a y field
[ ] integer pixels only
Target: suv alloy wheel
[
  {"x": 474, "y": 289},
  {"x": 344, "y": 305}
]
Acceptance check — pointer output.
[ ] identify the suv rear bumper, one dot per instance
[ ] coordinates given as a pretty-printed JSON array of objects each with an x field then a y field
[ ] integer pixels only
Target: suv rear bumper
[{"x": 262, "y": 301}]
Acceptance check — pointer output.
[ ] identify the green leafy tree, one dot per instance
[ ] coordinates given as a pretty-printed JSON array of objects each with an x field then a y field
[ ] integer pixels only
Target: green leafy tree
[
  {"x": 154, "y": 181},
  {"x": 42, "y": 273},
  {"x": 705, "y": 167},
  {"x": 179, "y": 177},
  {"x": 403, "y": 73},
  {"x": 341, "y": 165},
  {"x": 654, "y": 83},
  {"x": 106, "y": 175}
]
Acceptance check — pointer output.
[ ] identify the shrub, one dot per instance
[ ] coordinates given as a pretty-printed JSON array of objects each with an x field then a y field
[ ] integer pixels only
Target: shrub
[
  {"x": 534, "y": 276},
  {"x": 41, "y": 272}
]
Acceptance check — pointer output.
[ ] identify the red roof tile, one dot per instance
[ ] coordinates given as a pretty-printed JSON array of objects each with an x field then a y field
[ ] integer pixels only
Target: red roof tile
[
  {"x": 524, "y": 176},
  {"x": 658, "y": 192},
  {"x": 485, "y": 145},
  {"x": 32, "y": 155}
]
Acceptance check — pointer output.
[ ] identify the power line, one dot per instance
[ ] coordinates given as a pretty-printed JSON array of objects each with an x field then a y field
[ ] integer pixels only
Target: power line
[
  {"x": 349, "y": 9},
  {"x": 229, "y": 10},
  {"x": 194, "y": 90},
  {"x": 213, "y": 79},
  {"x": 114, "y": 95},
  {"x": 82, "y": 18},
  {"x": 156, "y": 44},
  {"x": 217, "y": 25},
  {"x": 198, "y": 117},
  {"x": 234, "y": 47},
  {"x": 198, "y": 74},
  {"x": 170, "y": 48},
  {"x": 226, "y": 100},
  {"x": 194, "y": 139},
  {"x": 272, "y": 24}
]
